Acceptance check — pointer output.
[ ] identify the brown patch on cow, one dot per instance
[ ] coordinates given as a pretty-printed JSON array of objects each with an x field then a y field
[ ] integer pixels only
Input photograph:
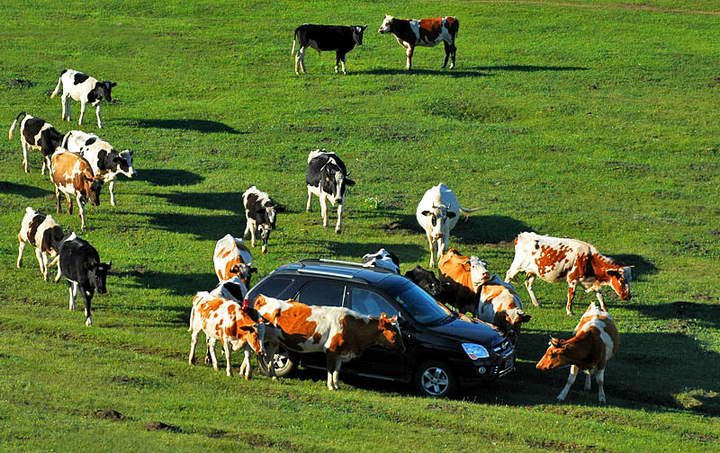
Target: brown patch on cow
[
  {"x": 429, "y": 29},
  {"x": 209, "y": 306},
  {"x": 33, "y": 226},
  {"x": 294, "y": 323},
  {"x": 219, "y": 274},
  {"x": 581, "y": 268},
  {"x": 456, "y": 267},
  {"x": 337, "y": 342},
  {"x": 490, "y": 292},
  {"x": 223, "y": 253},
  {"x": 229, "y": 265},
  {"x": 548, "y": 257}
]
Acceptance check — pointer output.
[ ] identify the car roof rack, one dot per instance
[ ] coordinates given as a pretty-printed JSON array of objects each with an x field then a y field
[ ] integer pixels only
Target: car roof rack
[{"x": 346, "y": 263}]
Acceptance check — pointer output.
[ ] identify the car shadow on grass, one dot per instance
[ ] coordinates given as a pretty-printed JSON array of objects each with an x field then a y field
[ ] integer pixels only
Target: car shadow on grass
[
  {"x": 183, "y": 124},
  {"x": 24, "y": 190},
  {"x": 169, "y": 177}
]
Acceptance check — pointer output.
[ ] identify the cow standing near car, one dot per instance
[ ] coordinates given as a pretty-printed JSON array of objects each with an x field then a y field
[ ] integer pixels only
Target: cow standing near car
[
  {"x": 73, "y": 175},
  {"x": 79, "y": 262},
  {"x": 232, "y": 258},
  {"x": 260, "y": 212},
  {"x": 327, "y": 177},
  {"x": 437, "y": 213},
  {"x": 383, "y": 259},
  {"x": 84, "y": 89},
  {"x": 339, "y": 332},
  {"x": 423, "y": 32},
  {"x": 340, "y": 38},
  {"x": 573, "y": 261},
  {"x": 595, "y": 341},
  {"x": 43, "y": 233},
  {"x": 36, "y": 133},
  {"x": 106, "y": 161}
]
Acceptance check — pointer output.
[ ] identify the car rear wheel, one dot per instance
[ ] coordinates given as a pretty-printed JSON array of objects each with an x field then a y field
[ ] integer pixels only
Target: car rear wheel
[
  {"x": 435, "y": 379},
  {"x": 284, "y": 363}
]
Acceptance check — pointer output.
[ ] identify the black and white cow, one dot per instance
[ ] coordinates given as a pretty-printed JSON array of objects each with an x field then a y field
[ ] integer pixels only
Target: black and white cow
[
  {"x": 384, "y": 259},
  {"x": 79, "y": 262},
  {"x": 43, "y": 233},
  {"x": 36, "y": 133},
  {"x": 84, "y": 89},
  {"x": 340, "y": 38},
  {"x": 327, "y": 177},
  {"x": 233, "y": 289},
  {"x": 106, "y": 161},
  {"x": 260, "y": 213}
]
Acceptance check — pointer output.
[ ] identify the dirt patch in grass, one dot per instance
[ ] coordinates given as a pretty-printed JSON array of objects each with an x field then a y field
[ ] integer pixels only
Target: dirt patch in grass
[
  {"x": 109, "y": 414},
  {"x": 20, "y": 83},
  {"x": 160, "y": 426}
]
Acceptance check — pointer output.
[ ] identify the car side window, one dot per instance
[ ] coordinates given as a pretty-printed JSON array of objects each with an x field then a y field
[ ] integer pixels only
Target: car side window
[
  {"x": 371, "y": 303},
  {"x": 274, "y": 287},
  {"x": 326, "y": 293}
]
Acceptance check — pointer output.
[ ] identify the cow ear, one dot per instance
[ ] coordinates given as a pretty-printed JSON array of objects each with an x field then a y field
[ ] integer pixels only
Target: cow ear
[
  {"x": 252, "y": 270},
  {"x": 113, "y": 84},
  {"x": 425, "y": 213},
  {"x": 349, "y": 182},
  {"x": 109, "y": 265},
  {"x": 451, "y": 214},
  {"x": 363, "y": 27}
]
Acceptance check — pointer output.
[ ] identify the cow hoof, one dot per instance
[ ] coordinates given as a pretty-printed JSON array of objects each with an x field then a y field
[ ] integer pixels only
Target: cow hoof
[
  {"x": 569, "y": 313},
  {"x": 274, "y": 378},
  {"x": 338, "y": 231}
]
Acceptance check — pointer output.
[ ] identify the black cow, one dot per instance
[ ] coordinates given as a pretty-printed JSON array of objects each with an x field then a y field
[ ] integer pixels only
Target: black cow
[
  {"x": 260, "y": 213},
  {"x": 429, "y": 282},
  {"x": 326, "y": 177},
  {"x": 340, "y": 38},
  {"x": 84, "y": 89},
  {"x": 36, "y": 133},
  {"x": 80, "y": 263}
]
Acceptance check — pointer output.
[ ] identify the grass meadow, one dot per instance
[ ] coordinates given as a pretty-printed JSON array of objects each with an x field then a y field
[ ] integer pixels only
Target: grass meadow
[{"x": 595, "y": 120}]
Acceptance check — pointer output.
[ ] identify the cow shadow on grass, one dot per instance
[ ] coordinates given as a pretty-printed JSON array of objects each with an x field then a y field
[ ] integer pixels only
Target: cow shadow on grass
[
  {"x": 473, "y": 229},
  {"x": 681, "y": 315},
  {"x": 176, "y": 283},
  {"x": 186, "y": 124},
  {"x": 169, "y": 177},
  {"x": 230, "y": 201},
  {"x": 642, "y": 266},
  {"x": 23, "y": 190},
  {"x": 455, "y": 73},
  {"x": 207, "y": 227},
  {"x": 528, "y": 68}
]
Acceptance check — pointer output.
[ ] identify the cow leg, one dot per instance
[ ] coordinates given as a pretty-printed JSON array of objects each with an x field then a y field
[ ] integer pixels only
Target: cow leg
[
  {"x": 81, "y": 207},
  {"x": 301, "y": 58},
  {"x": 57, "y": 200},
  {"x": 25, "y": 155},
  {"x": 193, "y": 343},
  {"x": 97, "y": 114},
  {"x": 410, "y": 50},
  {"x": 337, "y": 61},
  {"x": 208, "y": 356},
  {"x": 66, "y": 107},
  {"x": 338, "y": 226},
  {"x": 39, "y": 256},
  {"x": 111, "y": 189},
  {"x": 452, "y": 56},
  {"x": 21, "y": 248},
  {"x": 228, "y": 350},
  {"x": 448, "y": 51},
  {"x": 574, "y": 369},
  {"x": 211, "y": 350},
  {"x": 59, "y": 271},
  {"x": 247, "y": 228},
  {"x": 344, "y": 67},
  {"x": 69, "y": 203},
  {"x": 333, "y": 370},
  {"x": 246, "y": 368},
  {"x": 601, "y": 299},
  {"x": 529, "y": 280},
  {"x": 432, "y": 250},
  {"x": 588, "y": 381},
  {"x": 600, "y": 379},
  {"x": 309, "y": 202},
  {"x": 252, "y": 227},
  {"x": 270, "y": 351},
  {"x": 82, "y": 113},
  {"x": 73, "y": 287},
  {"x": 87, "y": 296},
  {"x": 571, "y": 295},
  {"x": 323, "y": 209}
]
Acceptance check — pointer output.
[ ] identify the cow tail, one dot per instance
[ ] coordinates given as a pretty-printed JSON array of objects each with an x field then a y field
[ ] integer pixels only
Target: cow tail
[
  {"x": 467, "y": 211},
  {"x": 192, "y": 315},
  {"x": 12, "y": 128},
  {"x": 57, "y": 87}
]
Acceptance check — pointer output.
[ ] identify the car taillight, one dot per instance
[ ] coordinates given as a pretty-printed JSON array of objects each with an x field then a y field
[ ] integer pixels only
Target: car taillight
[{"x": 245, "y": 304}]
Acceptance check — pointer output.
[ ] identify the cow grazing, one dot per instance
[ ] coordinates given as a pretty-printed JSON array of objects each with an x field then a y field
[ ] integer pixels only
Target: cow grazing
[
  {"x": 423, "y": 32},
  {"x": 79, "y": 262},
  {"x": 595, "y": 342},
  {"x": 36, "y": 133},
  {"x": 437, "y": 213},
  {"x": 384, "y": 259},
  {"x": 327, "y": 177},
  {"x": 341, "y": 333},
  {"x": 340, "y": 38},
  {"x": 224, "y": 320},
  {"x": 106, "y": 161},
  {"x": 43, "y": 233},
  {"x": 260, "y": 213},
  {"x": 233, "y": 258},
  {"x": 73, "y": 175},
  {"x": 84, "y": 89},
  {"x": 561, "y": 259}
]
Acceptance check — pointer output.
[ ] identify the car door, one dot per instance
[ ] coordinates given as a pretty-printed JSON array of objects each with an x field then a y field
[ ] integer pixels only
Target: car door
[{"x": 376, "y": 361}]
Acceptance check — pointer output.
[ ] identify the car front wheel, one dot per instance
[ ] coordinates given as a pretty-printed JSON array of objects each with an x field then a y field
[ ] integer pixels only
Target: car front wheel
[
  {"x": 284, "y": 363},
  {"x": 435, "y": 379}
]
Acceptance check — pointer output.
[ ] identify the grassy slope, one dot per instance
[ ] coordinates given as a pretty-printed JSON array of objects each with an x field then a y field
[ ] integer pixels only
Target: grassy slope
[{"x": 598, "y": 123}]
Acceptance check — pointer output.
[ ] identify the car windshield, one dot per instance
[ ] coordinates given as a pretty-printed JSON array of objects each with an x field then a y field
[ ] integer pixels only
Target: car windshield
[{"x": 421, "y": 306}]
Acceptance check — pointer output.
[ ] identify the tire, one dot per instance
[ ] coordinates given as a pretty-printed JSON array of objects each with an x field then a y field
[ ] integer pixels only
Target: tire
[
  {"x": 285, "y": 363},
  {"x": 435, "y": 379}
]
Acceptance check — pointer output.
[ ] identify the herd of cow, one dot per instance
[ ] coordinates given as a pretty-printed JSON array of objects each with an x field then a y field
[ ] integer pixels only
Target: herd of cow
[{"x": 80, "y": 163}]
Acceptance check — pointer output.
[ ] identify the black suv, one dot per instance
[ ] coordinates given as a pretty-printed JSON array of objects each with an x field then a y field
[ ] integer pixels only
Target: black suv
[{"x": 443, "y": 351}]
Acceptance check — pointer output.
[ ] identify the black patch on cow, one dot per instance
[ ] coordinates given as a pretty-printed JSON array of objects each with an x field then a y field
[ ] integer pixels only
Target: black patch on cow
[
  {"x": 103, "y": 160},
  {"x": 33, "y": 227},
  {"x": 30, "y": 129},
  {"x": 80, "y": 78},
  {"x": 63, "y": 71},
  {"x": 50, "y": 238},
  {"x": 50, "y": 139},
  {"x": 90, "y": 141},
  {"x": 402, "y": 29},
  {"x": 93, "y": 95},
  {"x": 235, "y": 290}
]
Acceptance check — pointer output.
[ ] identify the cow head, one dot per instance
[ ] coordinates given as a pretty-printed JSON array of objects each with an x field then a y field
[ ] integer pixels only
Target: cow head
[
  {"x": 241, "y": 270},
  {"x": 97, "y": 273},
  {"x": 389, "y": 335},
  {"x": 254, "y": 335},
  {"x": 427, "y": 281},
  {"x": 386, "y": 26},
  {"x": 513, "y": 319},
  {"x": 125, "y": 163},
  {"x": 478, "y": 272},
  {"x": 357, "y": 31},
  {"x": 334, "y": 181},
  {"x": 620, "y": 281},
  {"x": 554, "y": 357},
  {"x": 106, "y": 90},
  {"x": 92, "y": 189},
  {"x": 438, "y": 220}
]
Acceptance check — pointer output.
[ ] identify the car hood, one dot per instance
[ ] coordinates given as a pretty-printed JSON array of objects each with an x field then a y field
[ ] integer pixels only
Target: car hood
[{"x": 465, "y": 331}]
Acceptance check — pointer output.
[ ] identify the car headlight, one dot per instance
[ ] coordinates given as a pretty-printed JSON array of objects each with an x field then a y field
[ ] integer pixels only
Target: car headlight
[{"x": 475, "y": 351}]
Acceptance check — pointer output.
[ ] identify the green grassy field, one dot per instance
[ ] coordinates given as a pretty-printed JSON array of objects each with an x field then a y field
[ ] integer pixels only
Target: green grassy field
[{"x": 595, "y": 120}]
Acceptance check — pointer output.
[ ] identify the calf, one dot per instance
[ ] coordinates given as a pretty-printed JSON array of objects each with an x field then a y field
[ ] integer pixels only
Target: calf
[
  {"x": 437, "y": 213},
  {"x": 232, "y": 258},
  {"x": 225, "y": 320},
  {"x": 36, "y": 134},
  {"x": 105, "y": 160},
  {"x": 41, "y": 231},
  {"x": 557, "y": 259},
  {"x": 79, "y": 262},
  {"x": 260, "y": 213},
  {"x": 595, "y": 342},
  {"x": 499, "y": 303},
  {"x": 383, "y": 259},
  {"x": 341, "y": 333},
  {"x": 423, "y": 32},
  {"x": 340, "y": 38},
  {"x": 327, "y": 178},
  {"x": 84, "y": 89},
  {"x": 73, "y": 175}
]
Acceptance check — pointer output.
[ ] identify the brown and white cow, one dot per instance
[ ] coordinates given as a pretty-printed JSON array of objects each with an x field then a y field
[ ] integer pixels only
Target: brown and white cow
[
  {"x": 339, "y": 332},
  {"x": 224, "y": 320},
  {"x": 423, "y": 32},
  {"x": 571, "y": 260},
  {"x": 73, "y": 175},
  {"x": 43, "y": 233},
  {"x": 595, "y": 342},
  {"x": 233, "y": 258}
]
